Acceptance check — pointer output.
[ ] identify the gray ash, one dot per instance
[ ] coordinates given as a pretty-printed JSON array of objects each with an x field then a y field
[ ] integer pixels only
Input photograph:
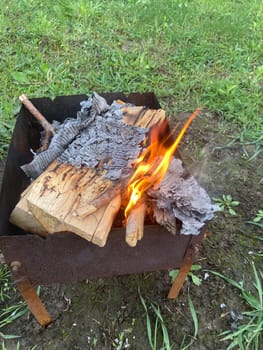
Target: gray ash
[{"x": 97, "y": 138}]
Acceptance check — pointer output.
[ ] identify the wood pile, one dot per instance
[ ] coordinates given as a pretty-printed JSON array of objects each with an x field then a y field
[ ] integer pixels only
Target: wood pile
[
  {"x": 66, "y": 198},
  {"x": 79, "y": 186}
]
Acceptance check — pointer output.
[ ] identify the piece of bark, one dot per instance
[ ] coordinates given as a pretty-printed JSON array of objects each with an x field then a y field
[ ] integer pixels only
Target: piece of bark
[
  {"x": 179, "y": 196},
  {"x": 99, "y": 105},
  {"x": 148, "y": 118},
  {"x": 135, "y": 224},
  {"x": 91, "y": 140},
  {"x": 60, "y": 141}
]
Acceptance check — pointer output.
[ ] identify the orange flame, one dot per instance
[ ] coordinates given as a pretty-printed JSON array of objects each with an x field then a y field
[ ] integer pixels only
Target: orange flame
[{"x": 153, "y": 163}]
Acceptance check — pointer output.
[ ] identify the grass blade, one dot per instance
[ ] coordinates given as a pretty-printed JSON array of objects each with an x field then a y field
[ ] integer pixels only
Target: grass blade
[
  {"x": 251, "y": 299},
  {"x": 249, "y": 335},
  {"x": 229, "y": 280},
  {"x": 258, "y": 285},
  {"x": 195, "y": 320},
  {"x": 155, "y": 334},
  {"x": 166, "y": 340},
  {"x": 9, "y": 336},
  {"x": 148, "y": 321},
  {"x": 194, "y": 315}
]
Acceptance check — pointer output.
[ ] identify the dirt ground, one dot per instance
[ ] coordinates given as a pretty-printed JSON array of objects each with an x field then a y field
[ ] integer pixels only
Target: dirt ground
[{"x": 98, "y": 314}]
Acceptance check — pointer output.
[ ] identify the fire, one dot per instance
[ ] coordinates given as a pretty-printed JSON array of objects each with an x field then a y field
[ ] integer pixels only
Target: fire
[{"x": 153, "y": 163}]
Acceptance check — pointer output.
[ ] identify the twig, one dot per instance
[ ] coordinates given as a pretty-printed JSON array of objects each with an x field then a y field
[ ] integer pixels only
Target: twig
[{"x": 49, "y": 130}]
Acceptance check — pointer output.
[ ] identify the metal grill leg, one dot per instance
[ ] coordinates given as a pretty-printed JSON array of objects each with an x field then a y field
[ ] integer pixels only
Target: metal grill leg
[
  {"x": 190, "y": 256},
  {"x": 34, "y": 303},
  {"x": 180, "y": 278},
  {"x": 29, "y": 294}
]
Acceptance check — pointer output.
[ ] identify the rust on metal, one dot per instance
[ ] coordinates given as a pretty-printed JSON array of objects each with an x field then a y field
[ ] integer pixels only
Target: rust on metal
[
  {"x": 65, "y": 257},
  {"x": 34, "y": 303},
  {"x": 28, "y": 293},
  {"x": 180, "y": 278},
  {"x": 186, "y": 265}
]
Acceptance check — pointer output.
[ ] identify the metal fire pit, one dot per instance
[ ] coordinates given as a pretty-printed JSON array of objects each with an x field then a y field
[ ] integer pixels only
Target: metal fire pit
[{"x": 66, "y": 257}]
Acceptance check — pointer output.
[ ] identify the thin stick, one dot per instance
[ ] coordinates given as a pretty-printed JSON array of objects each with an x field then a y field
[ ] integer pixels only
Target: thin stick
[
  {"x": 49, "y": 130},
  {"x": 135, "y": 223}
]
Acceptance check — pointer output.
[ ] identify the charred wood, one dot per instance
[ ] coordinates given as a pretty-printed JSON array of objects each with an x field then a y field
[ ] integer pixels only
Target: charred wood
[{"x": 181, "y": 197}]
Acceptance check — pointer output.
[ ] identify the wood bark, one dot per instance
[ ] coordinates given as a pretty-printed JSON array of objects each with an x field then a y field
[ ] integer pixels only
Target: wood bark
[{"x": 179, "y": 196}]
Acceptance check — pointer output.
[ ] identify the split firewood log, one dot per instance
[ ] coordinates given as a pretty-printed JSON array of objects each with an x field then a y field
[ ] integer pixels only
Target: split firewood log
[
  {"x": 103, "y": 229},
  {"x": 23, "y": 217},
  {"x": 135, "y": 223},
  {"x": 57, "y": 193}
]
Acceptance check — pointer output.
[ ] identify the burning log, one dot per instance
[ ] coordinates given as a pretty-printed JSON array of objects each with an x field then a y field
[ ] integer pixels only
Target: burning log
[
  {"x": 162, "y": 177},
  {"x": 135, "y": 223}
]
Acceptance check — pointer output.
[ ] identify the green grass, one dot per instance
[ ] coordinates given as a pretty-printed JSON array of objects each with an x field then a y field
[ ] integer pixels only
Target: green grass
[
  {"x": 227, "y": 204},
  {"x": 157, "y": 333},
  {"x": 11, "y": 307},
  {"x": 184, "y": 346},
  {"x": 195, "y": 279},
  {"x": 16, "y": 347},
  {"x": 248, "y": 335},
  {"x": 190, "y": 53},
  {"x": 5, "y": 286}
]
